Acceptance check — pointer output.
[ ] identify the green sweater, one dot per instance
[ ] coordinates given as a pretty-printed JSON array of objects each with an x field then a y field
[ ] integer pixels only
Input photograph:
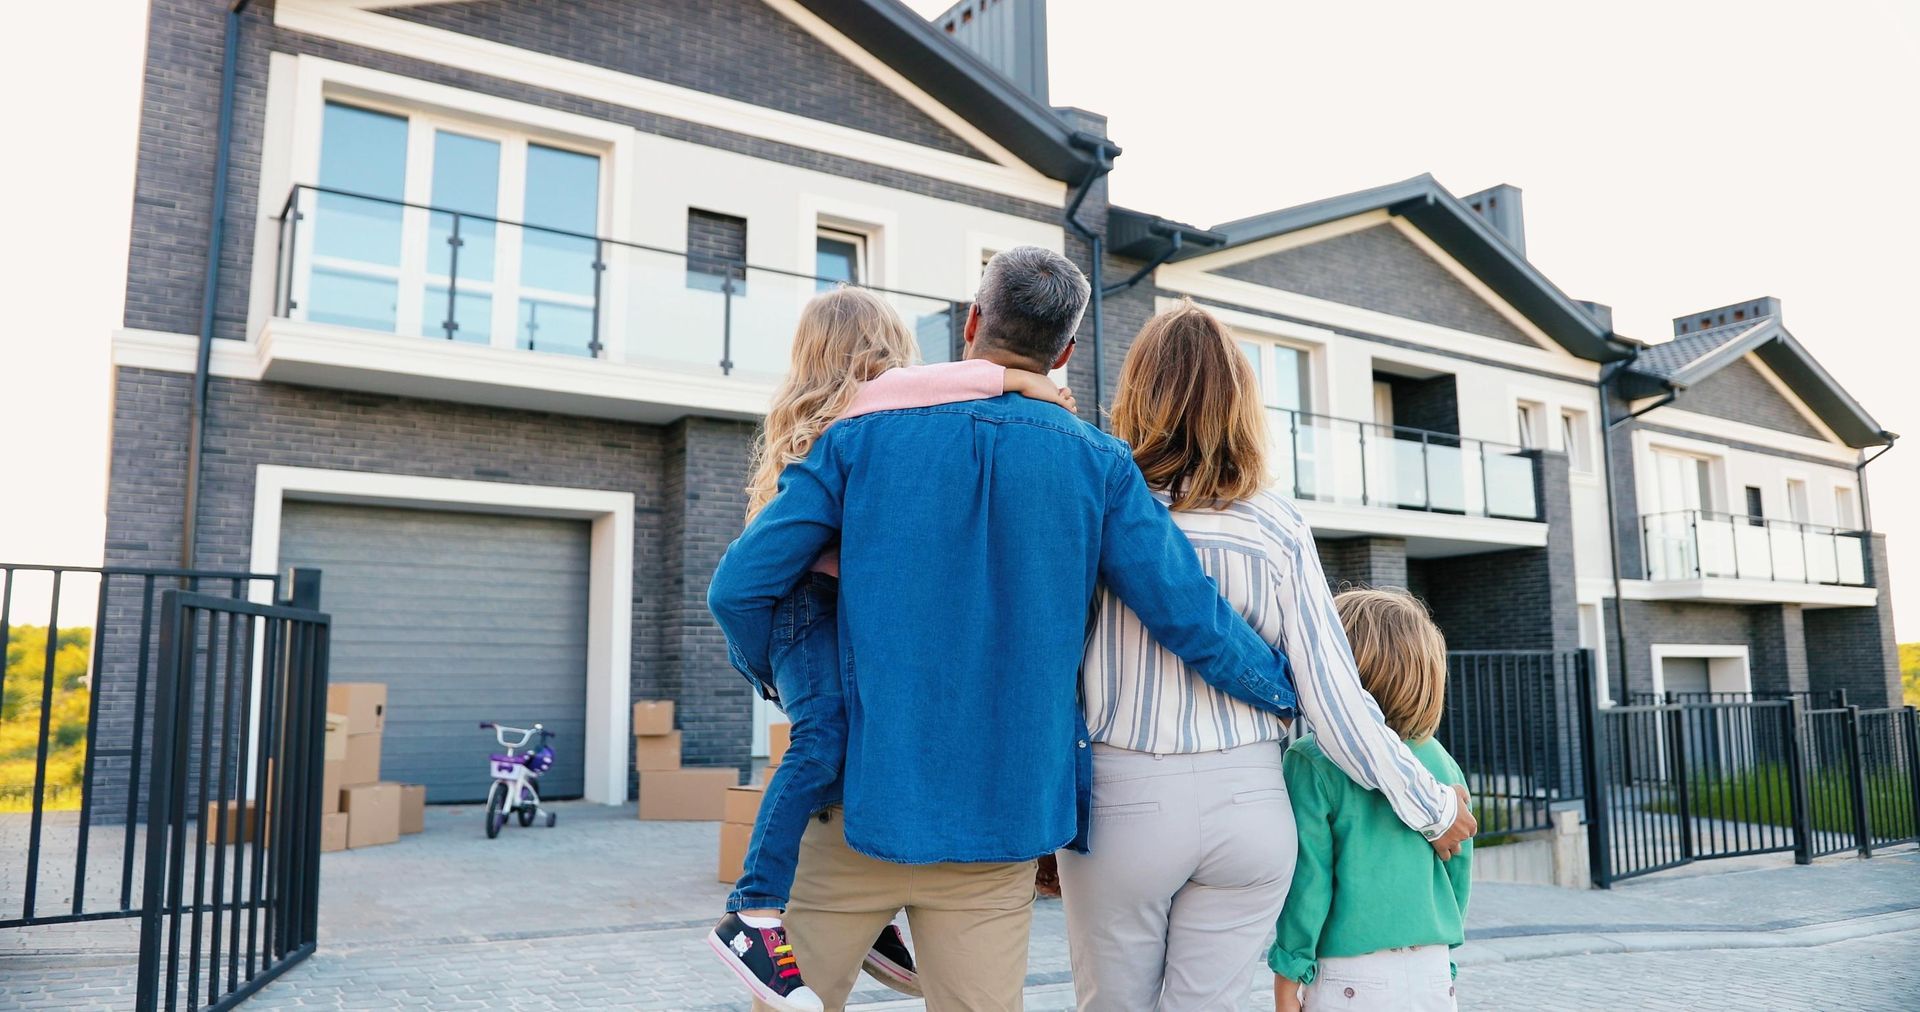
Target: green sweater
[{"x": 1364, "y": 881}]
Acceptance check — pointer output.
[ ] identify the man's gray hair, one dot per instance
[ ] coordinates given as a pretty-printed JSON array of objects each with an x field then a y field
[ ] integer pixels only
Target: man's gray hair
[{"x": 1031, "y": 300}]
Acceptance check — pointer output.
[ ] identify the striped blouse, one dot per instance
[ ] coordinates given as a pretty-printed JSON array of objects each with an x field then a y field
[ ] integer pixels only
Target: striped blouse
[{"x": 1138, "y": 696}]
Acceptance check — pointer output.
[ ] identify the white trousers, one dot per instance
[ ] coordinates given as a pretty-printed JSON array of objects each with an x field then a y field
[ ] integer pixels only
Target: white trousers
[
  {"x": 1191, "y": 857},
  {"x": 1417, "y": 979}
]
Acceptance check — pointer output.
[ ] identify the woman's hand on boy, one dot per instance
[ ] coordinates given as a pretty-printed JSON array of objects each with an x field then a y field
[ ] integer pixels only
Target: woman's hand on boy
[{"x": 1447, "y": 844}]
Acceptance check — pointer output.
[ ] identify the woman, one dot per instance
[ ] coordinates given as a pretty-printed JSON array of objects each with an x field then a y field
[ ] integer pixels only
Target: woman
[{"x": 1192, "y": 837}]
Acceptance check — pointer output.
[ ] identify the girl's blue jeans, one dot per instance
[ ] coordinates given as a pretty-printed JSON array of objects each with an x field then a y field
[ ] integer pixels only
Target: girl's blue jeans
[{"x": 808, "y": 675}]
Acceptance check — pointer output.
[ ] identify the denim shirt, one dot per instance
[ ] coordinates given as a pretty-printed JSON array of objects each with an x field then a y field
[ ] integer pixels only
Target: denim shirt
[{"x": 972, "y": 537}]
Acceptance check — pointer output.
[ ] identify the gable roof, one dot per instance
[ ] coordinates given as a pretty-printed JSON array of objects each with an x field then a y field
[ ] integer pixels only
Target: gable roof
[
  {"x": 1467, "y": 238},
  {"x": 1690, "y": 358},
  {"x": 959, "y": 80}
]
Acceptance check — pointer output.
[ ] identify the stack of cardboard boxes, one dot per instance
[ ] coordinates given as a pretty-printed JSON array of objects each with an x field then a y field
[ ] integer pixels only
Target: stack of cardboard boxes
[
  {"x": 743, "y": 807},
  {"x": 358, "y": 808},
  {"x": 668, "y": 791}
]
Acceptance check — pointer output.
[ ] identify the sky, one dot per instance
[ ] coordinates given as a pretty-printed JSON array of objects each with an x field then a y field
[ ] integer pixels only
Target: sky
[{"x": 1674, "y": 157}]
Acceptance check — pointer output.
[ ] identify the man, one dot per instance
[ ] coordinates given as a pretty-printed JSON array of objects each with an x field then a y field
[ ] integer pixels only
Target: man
[{"x": 972, "y": 537}]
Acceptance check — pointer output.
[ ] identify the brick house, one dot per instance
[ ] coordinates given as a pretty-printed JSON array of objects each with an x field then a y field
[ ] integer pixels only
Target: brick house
[{"x": 501, "y": 288}]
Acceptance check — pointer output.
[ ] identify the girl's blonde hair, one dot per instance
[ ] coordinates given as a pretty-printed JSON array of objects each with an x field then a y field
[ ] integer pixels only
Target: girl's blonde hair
[
  {"x": 845, "y": 337},
  {"x": 1402, "y": 657},
  {"x": 1190, "y": 405}
]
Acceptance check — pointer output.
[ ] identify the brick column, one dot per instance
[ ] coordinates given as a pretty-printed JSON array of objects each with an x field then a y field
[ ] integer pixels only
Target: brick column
[
  {"x": 1363, "y": 562},
  {"x": 1779, "y": 661},
  {"x": 1854, "y": 648}
]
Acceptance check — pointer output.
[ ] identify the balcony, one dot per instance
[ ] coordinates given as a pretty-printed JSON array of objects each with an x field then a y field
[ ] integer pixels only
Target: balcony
[
  {"x": 384, "y": 295},
  {"x": 1445, "y": 493},
  {"x": 1708, "y": 556}
]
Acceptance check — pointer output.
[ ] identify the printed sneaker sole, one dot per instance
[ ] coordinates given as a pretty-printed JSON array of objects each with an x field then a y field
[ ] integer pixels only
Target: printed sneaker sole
[
  {"x": 760, "y": 991},
  {"x": 895, "y": 976}
]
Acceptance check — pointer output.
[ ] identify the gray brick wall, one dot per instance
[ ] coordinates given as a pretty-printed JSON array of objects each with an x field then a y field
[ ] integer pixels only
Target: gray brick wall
[
  {"x": 1522, "y": 599},
  {"x": 1854, "y": 648},
  {"x": 716, "y": 248},
  {"x": 739, "y": 49},
  {"x": 1351, "y": 563},
  {"x": 179, "y": 107},
  {"x": 1432, "y": 404},
  {"x": 1777, "y": 651},
  {"x": 1378, "y": 268},
  {"x": 1739, "y": 393}
]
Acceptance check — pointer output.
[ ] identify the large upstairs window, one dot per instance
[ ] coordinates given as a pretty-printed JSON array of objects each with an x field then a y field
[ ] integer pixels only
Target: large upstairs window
[{"x": 407, "y": 234}]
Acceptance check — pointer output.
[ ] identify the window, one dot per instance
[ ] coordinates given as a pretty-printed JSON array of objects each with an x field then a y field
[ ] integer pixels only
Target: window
[
  {"x": 1846, "y": 510},
  {"x": 1797, "y": 500},
  {"x": 1282, "y": 372},
  {"x": 1575, "y": 437},
  {"x": 1526, "y": 422},
  {"x": 716, "y": 251},
  {"x": 1756, "y": 514},
  {"x": 839, "y": 258},
  {"x": 452, "y": 272}
]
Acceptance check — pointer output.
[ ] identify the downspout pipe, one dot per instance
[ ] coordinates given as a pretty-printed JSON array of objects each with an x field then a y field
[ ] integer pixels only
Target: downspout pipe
[
  {"x": 1607, "y": 427},
  {"x": 1866, "y": 503},
  {"x": 1103, "y": 152},
  {"x": 1173, "y": 246},
  {"x": 210, "y": 294}
]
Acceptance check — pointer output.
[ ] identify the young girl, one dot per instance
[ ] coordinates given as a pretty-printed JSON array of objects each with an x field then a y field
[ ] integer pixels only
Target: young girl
[
  {"x": 852, "y": 355},
  {"x": 1373, "y": 911}
]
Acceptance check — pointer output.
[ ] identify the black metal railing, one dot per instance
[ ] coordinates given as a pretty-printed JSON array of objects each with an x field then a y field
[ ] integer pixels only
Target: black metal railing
[
  {"x": 1703, "y": 544},
  {"x": 1676, "y": 782},
  {"x": 1341, "y": 460},
  {"x": 78, "y": 698},
  {"x": 393, "y": 266},
  {"x": 232, "y": 850},
  {"x": 1808, "y": 698},
  {"x": 1510, "y": 721}
]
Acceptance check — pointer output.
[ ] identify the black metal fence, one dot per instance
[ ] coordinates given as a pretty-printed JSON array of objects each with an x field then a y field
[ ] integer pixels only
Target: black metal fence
[
  {"x": 232, "y": 850},
  {"x": 1676, "y": 782},
  {"x": 85, "y": 699},
  {"x": 1511, "y": 723}
]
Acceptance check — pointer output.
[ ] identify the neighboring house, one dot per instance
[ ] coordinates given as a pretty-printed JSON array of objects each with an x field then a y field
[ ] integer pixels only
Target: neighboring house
[{"x": 503, "y": 288}]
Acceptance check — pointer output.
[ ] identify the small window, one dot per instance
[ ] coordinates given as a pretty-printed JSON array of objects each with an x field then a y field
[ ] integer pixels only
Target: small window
[
  {"x": 716, "y": 251},
  {"x": 1526, "y": 422},
  {"x": 1756, "y": 513},
  {"x": 1576, "y": 439},
  {"x": 839, "y": 258},
  {"x": 1846, "y": 509},
  {"x": 1797, "y": 500}
]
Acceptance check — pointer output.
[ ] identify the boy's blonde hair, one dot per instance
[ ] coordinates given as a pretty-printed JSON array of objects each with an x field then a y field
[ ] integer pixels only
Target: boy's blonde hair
[
  {"x": 1402, "y": 657},
  {"x": 845, "y": 337}
]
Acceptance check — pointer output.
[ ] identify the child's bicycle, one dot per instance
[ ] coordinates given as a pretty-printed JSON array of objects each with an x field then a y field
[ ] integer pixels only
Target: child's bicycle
[{"x": 514, "y": 774}]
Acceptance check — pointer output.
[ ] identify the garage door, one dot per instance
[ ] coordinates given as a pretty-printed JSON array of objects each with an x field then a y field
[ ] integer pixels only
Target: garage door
[{"x": 466, "y": 617}]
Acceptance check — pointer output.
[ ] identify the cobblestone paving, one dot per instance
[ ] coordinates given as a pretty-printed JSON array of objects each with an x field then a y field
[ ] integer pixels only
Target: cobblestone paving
[{"x": 607, "y": 912}]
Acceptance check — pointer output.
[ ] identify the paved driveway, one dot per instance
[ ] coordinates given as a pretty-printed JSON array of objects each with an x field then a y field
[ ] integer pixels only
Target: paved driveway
[{"x": 607, "y": 912}]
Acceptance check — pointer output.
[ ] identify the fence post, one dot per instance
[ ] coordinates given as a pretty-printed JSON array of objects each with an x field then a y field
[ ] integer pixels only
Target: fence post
[
  {"x": 1910, "y": 727},
  {"x": 1677, "y": 771},
  {"x": 174, "y": 646},
  {"x": 1797, "y": 784},
  {"x": 1857, "y": 777},
  {"x": 303, "y": 589},
  {"x": 1593, "y": 755}
]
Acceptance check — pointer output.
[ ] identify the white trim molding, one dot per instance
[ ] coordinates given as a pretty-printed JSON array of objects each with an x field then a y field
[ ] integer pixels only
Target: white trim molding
[
  {"x": 1743, "y": 432},
  {"x": 1443, "y": 533},
  {"x": 1723, "y": 591},
  {"x": 610, "y": 581},
  {"x": 1723, "y": 660}
]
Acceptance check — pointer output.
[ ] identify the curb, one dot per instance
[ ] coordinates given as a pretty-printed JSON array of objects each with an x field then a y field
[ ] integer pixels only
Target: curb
[{"x": 1581, "y": 943}]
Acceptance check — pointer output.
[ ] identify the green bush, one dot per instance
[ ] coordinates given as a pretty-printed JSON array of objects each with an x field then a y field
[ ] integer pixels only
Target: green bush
[{"x": 66, "y": 720}]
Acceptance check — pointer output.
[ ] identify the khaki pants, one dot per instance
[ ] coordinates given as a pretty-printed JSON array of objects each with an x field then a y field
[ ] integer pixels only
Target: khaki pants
[{"x": 970, "y": 922}]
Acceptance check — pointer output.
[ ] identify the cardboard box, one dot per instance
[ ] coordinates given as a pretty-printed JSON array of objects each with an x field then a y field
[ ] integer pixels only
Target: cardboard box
[
  {"x": 779, "y": 737},
  {"x": 373, "y": 814},
  {"x": 336, "y": 736},
  {"x": 742, "y": 804},
  {"x": 696, "y": 795},
  {"x": 332, "y": 774},
  {"x": 229, "y": 822},
  {"x": 362, "y": 764},
  {"x": 364, "y": 703},
  {"x": 657, "y": 752},
  {"x": 413, "y": 808},
  {"x": 333, "y": 832},
  {"x": 652, "y": 716},
  {"x": 733, "y": 851}
]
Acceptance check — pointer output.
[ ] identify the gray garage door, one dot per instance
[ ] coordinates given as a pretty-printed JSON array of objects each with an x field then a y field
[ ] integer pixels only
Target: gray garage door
[{"x": 466, "y": 617}]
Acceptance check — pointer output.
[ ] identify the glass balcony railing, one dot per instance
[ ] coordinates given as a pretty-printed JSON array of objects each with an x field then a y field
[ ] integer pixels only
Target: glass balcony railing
[
  {"x": 1702, "y": 544},
  {"x": 1395, "y": 467},
  {"x": 390, "y": 266}
]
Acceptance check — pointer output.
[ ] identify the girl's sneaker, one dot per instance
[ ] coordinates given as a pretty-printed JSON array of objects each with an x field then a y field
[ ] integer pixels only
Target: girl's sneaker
[
  {"x": 764, "y": 962},
  {"x": 891, "y": 963}
]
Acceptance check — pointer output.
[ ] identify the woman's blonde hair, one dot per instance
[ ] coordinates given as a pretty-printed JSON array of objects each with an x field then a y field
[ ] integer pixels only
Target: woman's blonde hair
[
  {"x": 1402, "y": 657},
  {"x": 845, "y": 337},
  {"x": 1190, "y": 405}
]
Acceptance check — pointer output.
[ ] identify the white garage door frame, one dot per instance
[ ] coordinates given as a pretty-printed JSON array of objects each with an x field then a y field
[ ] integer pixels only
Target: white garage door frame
[
  {"x": 1728, "y": 666},
  {"x": 609, "y": 581}
]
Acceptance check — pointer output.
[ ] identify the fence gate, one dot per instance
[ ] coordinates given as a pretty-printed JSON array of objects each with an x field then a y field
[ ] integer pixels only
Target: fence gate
[{"x": 233, "y": 830}]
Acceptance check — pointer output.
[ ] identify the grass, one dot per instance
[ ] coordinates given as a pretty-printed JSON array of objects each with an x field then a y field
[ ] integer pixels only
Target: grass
[{"x": 1761, "y": 794}]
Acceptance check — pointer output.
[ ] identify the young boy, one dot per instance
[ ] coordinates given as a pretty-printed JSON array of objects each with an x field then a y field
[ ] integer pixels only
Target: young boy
[{"x": 1372, "y": 910}]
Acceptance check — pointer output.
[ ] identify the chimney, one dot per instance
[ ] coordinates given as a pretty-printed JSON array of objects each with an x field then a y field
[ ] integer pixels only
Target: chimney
[
  {"x": 1008, "y": 35},
  {"x": 1739, "y": 312},
  {"x": 1500, "y": 206}
]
